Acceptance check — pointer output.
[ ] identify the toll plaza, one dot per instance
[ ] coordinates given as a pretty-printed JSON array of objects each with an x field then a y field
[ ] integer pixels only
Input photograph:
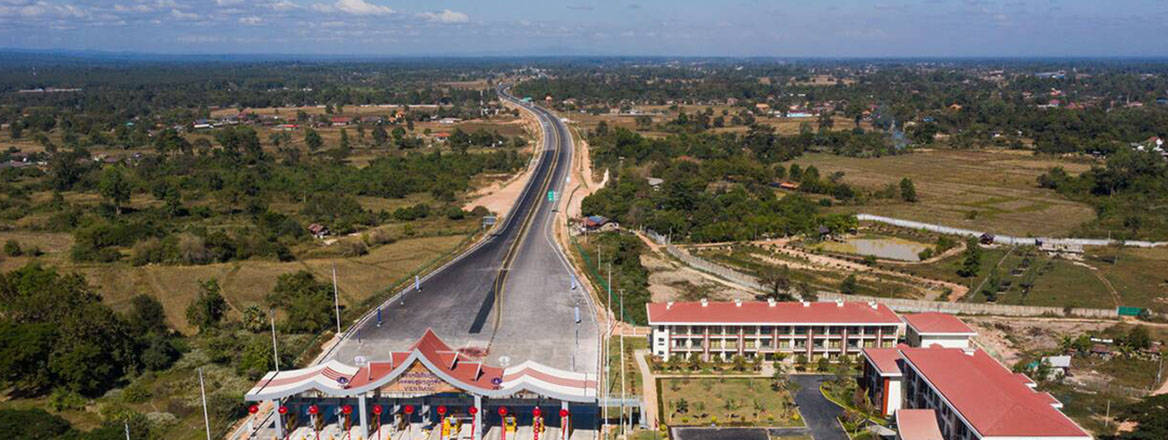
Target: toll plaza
[{"x": 428, "y": 392}]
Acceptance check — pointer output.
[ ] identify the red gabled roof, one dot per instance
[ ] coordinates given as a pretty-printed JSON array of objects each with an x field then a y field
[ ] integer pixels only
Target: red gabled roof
[
  {"x": 465, "y": 372},
  {"x": 884, "y": 360},
  {"x": 987, "y": 395},
  {"x": 918, "y": 424},
  {"x": 934, "y": 322},
  {"x": 762, "y": 312}
]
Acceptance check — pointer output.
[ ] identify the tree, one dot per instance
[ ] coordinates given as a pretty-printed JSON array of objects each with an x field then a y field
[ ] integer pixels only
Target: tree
[
  {"x": 208, "y": 308},
  {"x": 379, "y": 136},
  {"x": 971, "y": 262},
  {"x": 114, "y": 187},
  {"x": 33, "y": 424},
  {"x": 147, "y": 315},
  {"x": 739, "y": 362},
  {"x": 778, "y": 280},
  {"x": 1138, "y": 338},
  {"x": 848, "y": 286},
  {"x": 1150, "y": 417},
  {"x": 908, "y": 191},
  {"x": 822, "y": 364},
  {"x": 307, "y": 302},
  {"x": 254, "y": 319},
  {"x": 312, "y": 139},
  {"x": 344, "y": 140}
]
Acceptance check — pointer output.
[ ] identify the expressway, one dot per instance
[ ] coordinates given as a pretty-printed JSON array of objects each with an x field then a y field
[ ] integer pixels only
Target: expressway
[{"x": 510, "y": 296}]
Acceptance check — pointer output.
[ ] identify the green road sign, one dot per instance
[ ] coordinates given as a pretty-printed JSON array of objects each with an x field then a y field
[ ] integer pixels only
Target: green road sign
[{"x": 551, "y": 196}]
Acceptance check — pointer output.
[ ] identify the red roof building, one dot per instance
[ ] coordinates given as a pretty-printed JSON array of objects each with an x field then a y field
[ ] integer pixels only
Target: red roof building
[
  {"x": 974, "y": 396},
  {"x": 764, "y": 328}
]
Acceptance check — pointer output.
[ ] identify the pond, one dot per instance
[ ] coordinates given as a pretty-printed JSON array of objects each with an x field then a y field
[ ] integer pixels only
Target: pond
[{"x": 891, "y": 248}]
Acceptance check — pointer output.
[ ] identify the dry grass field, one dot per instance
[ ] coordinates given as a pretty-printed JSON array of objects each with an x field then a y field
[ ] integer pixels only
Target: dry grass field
[
  {"x": 997, "y": 185},
  {"x": 244, "y": 283}
]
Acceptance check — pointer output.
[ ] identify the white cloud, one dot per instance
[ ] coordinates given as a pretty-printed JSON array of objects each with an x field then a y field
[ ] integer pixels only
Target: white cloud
[
  {"x": 183, "y": 15},
  {"x": 353, "y": 7},
  {"x": 284, "y": 5},
  {"x": 446, "y": 16},
  {"x": 229, "y": 2},
  {"x": 251, "y": 20}
]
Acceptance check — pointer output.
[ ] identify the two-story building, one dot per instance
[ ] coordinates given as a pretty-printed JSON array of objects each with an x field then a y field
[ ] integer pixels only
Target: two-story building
[
  {"x": 751, "y": 329},
  {"x": 969, "y": 394}
]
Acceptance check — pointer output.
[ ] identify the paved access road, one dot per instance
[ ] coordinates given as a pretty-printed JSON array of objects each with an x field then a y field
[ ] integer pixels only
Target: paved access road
[
  {"x": 532, "y": 318},
  {"x": 818, "y": 413}
]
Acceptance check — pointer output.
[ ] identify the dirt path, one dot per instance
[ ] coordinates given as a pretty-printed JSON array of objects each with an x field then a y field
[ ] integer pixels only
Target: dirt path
[
  {"x": 822, "y": 262},
  {"x": 499, "y": 197},
  {"x": 1102, "y": 279}
]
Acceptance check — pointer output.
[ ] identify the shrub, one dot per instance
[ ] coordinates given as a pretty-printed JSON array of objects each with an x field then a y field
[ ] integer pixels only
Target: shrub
[
  {"x": 352, "y": 248},
  {"x": 12, "y": 248}
]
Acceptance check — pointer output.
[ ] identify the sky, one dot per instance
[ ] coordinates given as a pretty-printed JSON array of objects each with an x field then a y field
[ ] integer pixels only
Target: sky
[{"x": 736, "y": 28}]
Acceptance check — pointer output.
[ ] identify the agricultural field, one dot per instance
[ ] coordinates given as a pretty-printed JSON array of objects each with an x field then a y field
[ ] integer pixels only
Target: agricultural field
[
  {"x": 726, "y": 402},
  {"x": 984, "y": 190}
]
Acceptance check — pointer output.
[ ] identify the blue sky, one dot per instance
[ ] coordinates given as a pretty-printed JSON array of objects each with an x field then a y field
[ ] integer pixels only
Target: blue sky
[{"x": 819, "y": 28}]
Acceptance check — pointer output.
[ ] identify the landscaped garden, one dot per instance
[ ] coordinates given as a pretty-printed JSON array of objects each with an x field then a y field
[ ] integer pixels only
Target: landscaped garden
[{"x": 727, "y": 402}]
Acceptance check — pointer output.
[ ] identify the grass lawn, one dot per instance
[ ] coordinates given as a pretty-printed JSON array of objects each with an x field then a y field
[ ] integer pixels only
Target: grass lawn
[
  {"x": 999, "y": 185},
  {"x": 725, "y": 402},
  {"x": 1139, "y": 275}
]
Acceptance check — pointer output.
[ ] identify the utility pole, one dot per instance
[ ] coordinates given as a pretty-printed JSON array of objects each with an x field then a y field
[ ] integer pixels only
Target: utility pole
[
  {"x": 336, "y": 299},
  {"x": 275, "y": 353},
  {"x": 203, "y": 394},
  {"x": 621, "y": 305}
]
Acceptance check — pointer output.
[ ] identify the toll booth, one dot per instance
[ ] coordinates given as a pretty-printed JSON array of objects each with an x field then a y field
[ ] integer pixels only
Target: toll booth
[{"x": 429, "y": 387}]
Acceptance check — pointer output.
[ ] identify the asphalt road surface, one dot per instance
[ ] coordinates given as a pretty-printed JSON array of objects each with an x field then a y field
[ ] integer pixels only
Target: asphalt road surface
[
  {"x": 818, "y": 413},
  {"x": 530, "y": 318}
]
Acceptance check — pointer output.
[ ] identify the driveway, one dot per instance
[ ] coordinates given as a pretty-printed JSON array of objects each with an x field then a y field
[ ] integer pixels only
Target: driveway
[{"x": 818, "y": 413}]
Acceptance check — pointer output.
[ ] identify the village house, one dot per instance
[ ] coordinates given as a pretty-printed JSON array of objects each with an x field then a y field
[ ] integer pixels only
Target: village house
[{"x": 318, "y": 230}]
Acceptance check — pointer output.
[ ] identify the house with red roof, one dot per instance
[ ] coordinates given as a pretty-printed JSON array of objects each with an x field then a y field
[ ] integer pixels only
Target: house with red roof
[
  {"x": 933, "y": 328},
  {"x": 970, "y": 395},
  {"x": 766, "y": 328}
]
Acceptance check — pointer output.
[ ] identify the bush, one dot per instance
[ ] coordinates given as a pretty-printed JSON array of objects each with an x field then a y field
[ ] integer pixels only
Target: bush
[
  {"x": 33, "y": 424},
  {"x": 352, "y": 248},
  {"x": 12, "y": 248}
]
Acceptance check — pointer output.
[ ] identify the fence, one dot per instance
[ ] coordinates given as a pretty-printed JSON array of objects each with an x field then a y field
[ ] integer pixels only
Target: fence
[
  {"x": 1033, "y": 241},
  {"x": 706, "y": 266},
  {"x": 916, "y": 305},
  {"x": 898, "y": 304}
]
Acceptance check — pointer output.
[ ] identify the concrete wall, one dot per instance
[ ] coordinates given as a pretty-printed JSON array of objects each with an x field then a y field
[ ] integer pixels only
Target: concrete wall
[{"x": 1005, "y": 239}]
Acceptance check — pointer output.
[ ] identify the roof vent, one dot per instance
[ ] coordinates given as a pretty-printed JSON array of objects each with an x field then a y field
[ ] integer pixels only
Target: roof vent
[
  {"x": 873, "y": 305},
  {"x": 668, "y": 305},
  {"x": 839, "y": 303},
  {"x": 806, "y": 304},
  {"x": 705, "y": 302},
  {"x": 968, "y": 351},
  {"x": 770, "y": 302},
  {"x": 737, "y": 303}
]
